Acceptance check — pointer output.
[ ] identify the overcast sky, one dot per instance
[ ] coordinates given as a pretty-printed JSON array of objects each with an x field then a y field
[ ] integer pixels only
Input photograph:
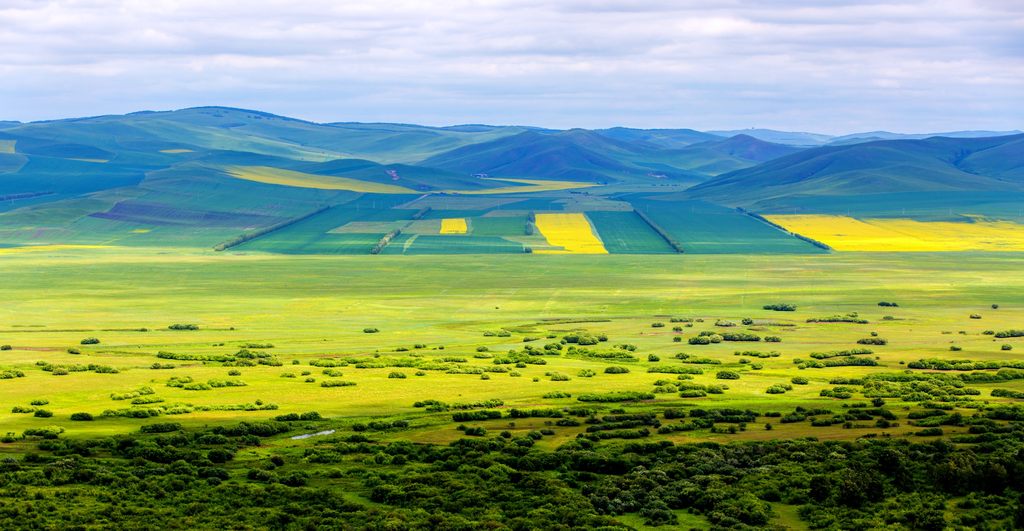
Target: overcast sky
[{"x": 829, "y": 66}]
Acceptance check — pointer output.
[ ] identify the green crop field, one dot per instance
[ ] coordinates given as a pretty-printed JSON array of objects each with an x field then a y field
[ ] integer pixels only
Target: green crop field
[
  {"x": 703, "y": 228},
  {"x": 626, "y": 232}
]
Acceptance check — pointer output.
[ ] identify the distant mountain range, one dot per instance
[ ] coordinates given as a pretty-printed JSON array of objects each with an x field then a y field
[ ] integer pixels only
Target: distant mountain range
[{"x": 212, "y": 163}]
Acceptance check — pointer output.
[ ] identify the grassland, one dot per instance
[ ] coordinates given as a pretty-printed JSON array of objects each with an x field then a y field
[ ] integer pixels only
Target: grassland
[
  {"x": 894, "y": 234},
  {"x": 314, "y": 308},
  {"x": 280, "y": 328},
  {"x": 570, "y": 231}
]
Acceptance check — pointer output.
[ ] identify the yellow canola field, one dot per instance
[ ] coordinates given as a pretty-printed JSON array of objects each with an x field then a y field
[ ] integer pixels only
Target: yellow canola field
[
  {"x": 7, "y": 146},
  {"x": 533, "y": 185},
  {"x": 454, "y": 226},
  {"x": 268, "y": 175},
  {"x": 844, "y": 233},
  {"x": 570, "y": 231}
]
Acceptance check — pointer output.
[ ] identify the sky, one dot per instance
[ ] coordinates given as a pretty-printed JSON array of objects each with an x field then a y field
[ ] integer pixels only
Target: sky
[{"x": 830, "y": 66}]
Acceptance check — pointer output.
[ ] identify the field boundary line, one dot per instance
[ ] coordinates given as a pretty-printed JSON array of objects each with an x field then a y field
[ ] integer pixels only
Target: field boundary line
[
  {"x": 762, "y": 219},
  {"x": 661, "y": 232},
  {"x": 249, "y": 236}
]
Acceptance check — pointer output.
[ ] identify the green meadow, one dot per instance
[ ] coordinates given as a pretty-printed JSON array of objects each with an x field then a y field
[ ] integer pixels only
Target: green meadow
[{"x": 428, "y": 309}]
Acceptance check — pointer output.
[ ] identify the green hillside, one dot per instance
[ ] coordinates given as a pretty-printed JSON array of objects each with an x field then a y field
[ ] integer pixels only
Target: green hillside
[
  {"x": 930, "y": 165},
  {"x": 209, "y": 176}
]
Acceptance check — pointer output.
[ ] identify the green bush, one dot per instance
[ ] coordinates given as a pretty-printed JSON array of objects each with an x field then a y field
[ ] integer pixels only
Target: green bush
[
  {"x": 90, "y": 341},
  {"x": 615, "y": 369},
  {"x": 727, "y": 375},
  {"x": 81, "y": 416},
  {"x": 780, "y": 307}
]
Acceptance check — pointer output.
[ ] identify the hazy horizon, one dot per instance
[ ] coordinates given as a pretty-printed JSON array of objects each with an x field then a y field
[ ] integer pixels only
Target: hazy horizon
[
  {"x": 910, "y": 66},
  {"x": 443, "y": 125}
]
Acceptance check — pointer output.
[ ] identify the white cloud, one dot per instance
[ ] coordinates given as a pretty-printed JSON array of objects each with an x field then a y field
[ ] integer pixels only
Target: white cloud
[{"x": 796, "y": 64}]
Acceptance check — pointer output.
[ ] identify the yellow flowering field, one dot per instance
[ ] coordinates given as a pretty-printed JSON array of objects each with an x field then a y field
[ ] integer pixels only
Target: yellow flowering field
[{"x": 571, "y": 231}]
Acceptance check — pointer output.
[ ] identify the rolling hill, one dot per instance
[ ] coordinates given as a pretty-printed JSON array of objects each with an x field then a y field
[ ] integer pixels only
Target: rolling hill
[
  {"x": 574, "y": 155},
  {"x": 890, "y": 166},
  {"x": 204, "y": 176}
]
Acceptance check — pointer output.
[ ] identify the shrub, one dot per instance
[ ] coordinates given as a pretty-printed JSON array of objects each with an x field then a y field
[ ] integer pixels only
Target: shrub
[
  {"x": 888, "y": 304},
  {"x": 778, "y": 389},
  {"x": 653, "y": 358},
  {"x": 657, "y": 325},
  {"x": 73, "y": 350},
  {"x": 620, "y": 396},
  {"x": 773, "y": 339},
  {"x": 955, "y": 348},
  {"x": 396, "y": 374},
  {"x": 872, "y": 341},
  {"x": 39, "y": 402},
  {"x": 179, "y": 326},
  {"x": 5, "y": 347},
  {"x": 370, "y": 330},
  {"x": 43, "y": 413},
  {"x": 558, "y": 377},
  {"x": 995, "y": 306},
  {"x": 615, "y": 369},
  {"x": 336, "y": 383},
  {"x": 90, "y": 341},
  {"x": 1007, "y": 346},
  {"x": 975, "y": 316},
  {"x": 81, "y": 416},
  {"x": 800, "y": 380},
  {"x": 780, "y": 307},
  {"x": 584, "y": 373},
  {"x": 161, "y": 427},
  {"x": 727, "y": 375}
]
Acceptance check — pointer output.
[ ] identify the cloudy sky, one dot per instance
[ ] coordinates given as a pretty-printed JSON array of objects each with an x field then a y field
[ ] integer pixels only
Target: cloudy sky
[{"x": 830, "y": 66}]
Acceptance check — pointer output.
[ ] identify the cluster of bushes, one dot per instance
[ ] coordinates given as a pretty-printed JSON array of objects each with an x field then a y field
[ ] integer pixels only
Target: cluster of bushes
[
  {"x": 179, "y": 326},
  {"x": 935, "y": 364},
  {"x": 780, "y": 307},
  {"x": 293, "y": 417},
  {"x": 888, "y": 304},
  {"x": 740, "y": 336},
  {"x": 848, "y": 318},
  {"x": 616, "y": 396},
  {"x": 584, "y": 338},
  {"x": 872, "y": 341},
  {"x": 1002, "y": 334},
  {"x": 674, "y": 369},
  {"x": 847, "y": 361},
  {"x": 687, "y": 358},
  {"x": 840, "y": 353},
  {"x": 756, "y": 354},
  {"x": 63, "y": 370},
  {"x": 337, "y": 383}
]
